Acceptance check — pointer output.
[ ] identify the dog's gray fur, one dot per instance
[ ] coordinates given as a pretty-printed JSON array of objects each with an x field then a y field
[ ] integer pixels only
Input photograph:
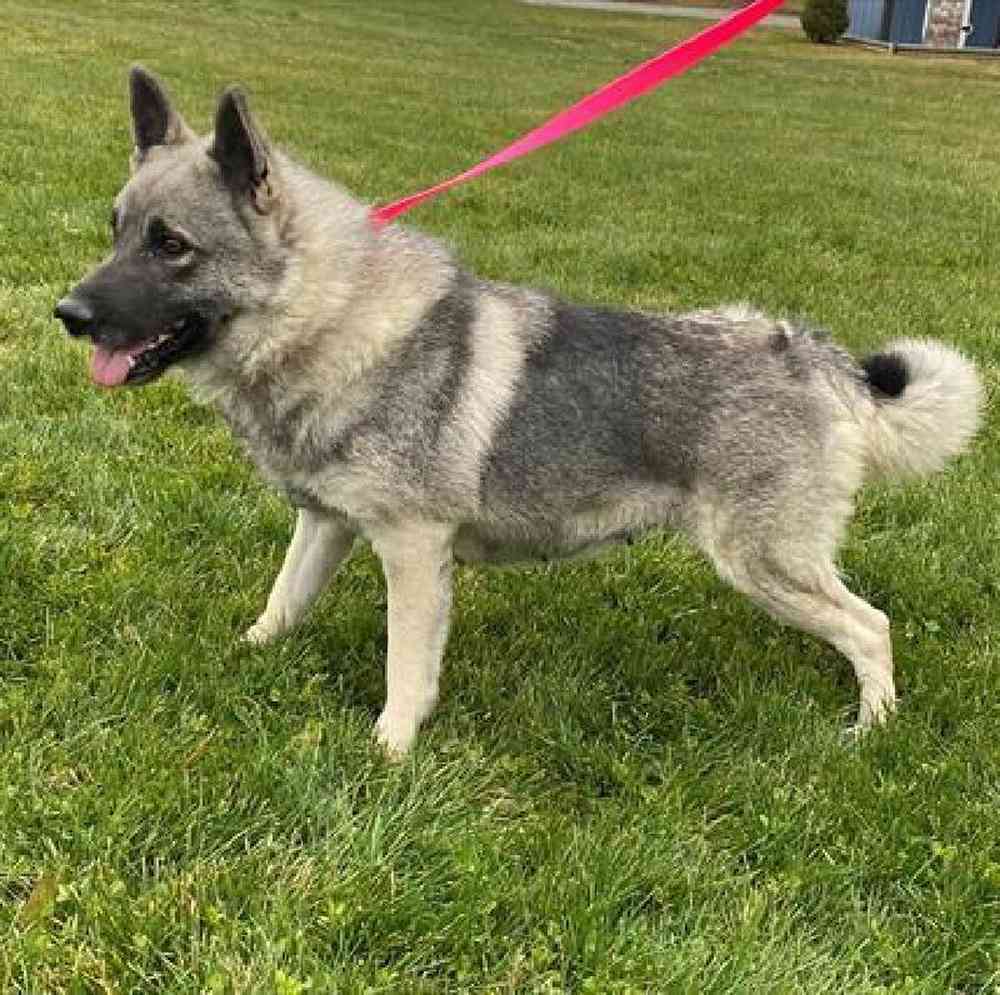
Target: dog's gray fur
[{"x": 390, "y": 394}]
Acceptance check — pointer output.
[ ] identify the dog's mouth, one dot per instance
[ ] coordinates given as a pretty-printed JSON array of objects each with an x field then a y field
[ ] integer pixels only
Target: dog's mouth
[{"x": 141, "y": 362}]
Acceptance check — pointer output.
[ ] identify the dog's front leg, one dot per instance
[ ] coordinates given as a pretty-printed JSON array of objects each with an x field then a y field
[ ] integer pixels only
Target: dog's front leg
[
  {"x": 320, "y": 543},
  {"x": 417, "y": 562}
]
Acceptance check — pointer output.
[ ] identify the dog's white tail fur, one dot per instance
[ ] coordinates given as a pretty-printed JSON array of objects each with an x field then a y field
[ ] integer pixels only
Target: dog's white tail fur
[{"x": 928, "y": 405}]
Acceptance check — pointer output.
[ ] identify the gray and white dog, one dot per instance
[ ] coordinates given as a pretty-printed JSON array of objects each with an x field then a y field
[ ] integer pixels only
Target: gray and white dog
[{"x": 392, "y": 395}]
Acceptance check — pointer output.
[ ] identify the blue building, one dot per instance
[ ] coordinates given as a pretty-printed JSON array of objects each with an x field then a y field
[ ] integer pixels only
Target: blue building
[{"x": 934, "y": 23}]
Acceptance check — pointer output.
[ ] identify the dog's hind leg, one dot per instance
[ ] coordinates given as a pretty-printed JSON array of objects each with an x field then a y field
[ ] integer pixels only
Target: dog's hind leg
[
  {"x": 417, "y": 561},
  {"x": 320, "y": 543},
  {"x": 802, "y": 589}
]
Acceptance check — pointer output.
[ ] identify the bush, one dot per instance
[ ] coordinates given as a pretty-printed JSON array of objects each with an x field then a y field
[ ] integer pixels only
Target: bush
[{"x": 824, "y": 20}]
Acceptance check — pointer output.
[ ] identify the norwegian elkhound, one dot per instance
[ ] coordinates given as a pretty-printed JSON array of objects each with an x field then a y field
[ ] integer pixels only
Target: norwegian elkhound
[{"x": 391, "y": 394}]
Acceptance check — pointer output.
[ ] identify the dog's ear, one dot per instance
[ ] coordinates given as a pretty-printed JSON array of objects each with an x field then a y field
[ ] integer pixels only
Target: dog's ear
[
  {"x": 154, "y": 121},
  {"x": 241, "y": 150}
]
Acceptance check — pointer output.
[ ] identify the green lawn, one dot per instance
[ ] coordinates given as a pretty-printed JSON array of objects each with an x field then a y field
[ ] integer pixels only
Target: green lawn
[{"x": 635, "y": 781}]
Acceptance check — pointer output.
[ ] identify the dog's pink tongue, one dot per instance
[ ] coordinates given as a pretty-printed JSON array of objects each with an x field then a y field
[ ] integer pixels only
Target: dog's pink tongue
[{"x": 109, "y": 367}]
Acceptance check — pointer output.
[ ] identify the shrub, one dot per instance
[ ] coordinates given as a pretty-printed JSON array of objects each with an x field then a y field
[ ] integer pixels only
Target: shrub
[{"x": 824, "y": 20}]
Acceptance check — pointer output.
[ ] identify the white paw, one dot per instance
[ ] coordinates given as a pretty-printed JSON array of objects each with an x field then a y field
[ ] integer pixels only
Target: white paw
[
  {"x": 394, "y": 735},
  {"x": 261, "y": 632},
  {"x": 875, "y": 709}
]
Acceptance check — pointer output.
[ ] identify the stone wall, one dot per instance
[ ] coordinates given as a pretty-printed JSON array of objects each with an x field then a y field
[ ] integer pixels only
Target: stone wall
[{"x": 944, "y": 25}]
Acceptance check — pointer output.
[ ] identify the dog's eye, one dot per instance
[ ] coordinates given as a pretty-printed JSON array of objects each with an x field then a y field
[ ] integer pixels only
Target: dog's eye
[
  {"x": 173, "y": 246},
  {"x": 164, "y": 242}
]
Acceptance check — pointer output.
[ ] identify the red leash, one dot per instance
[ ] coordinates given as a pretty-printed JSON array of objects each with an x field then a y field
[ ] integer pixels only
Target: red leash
[{"x": 615, "y": 94}]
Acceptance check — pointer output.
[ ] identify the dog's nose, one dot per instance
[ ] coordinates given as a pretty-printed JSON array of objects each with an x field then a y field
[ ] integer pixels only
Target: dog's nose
[{"x": 75, "y": 315}]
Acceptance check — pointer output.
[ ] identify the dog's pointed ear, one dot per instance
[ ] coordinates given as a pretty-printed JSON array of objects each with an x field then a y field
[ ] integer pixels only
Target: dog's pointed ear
[
  {"x": 241, "y": 150},
  {"x": 154, "y": 121}
]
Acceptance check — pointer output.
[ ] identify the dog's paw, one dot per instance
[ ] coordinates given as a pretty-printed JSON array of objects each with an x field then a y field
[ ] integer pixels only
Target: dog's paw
[
  {"x": 394, "y": 736},
  {"x": 874, "y": 712},
  {"x": 263, "y": 631},
  {"x": 852, "y": 735}
]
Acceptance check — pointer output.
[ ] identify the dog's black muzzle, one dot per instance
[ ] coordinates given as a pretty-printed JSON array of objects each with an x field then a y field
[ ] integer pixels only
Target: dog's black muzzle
[
  {"x": 128, "y": 319},
  {"x": 76, "y": 315}
]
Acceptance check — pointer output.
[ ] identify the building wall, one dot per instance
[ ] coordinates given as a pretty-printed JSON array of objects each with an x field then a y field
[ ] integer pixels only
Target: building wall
[{"x": 944, "y": 23}]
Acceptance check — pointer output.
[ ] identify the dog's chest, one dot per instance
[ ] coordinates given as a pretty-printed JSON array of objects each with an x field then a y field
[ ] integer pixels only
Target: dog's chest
[{"x": 332, "y": 484}]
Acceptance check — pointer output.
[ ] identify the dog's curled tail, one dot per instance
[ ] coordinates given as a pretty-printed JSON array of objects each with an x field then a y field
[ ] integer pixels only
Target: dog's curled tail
[{"x": 928, "y": 405}]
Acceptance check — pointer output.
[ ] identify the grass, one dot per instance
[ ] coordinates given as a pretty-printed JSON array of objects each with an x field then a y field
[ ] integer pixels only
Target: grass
[{"x": 635, "y": 781}]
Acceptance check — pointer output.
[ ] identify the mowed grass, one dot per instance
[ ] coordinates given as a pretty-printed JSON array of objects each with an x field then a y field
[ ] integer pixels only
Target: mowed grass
[{"x": 635, "y": 781}]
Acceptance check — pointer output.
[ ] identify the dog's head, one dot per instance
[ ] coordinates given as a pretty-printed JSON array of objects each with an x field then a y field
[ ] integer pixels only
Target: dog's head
[{"x": 196, "y": 235}]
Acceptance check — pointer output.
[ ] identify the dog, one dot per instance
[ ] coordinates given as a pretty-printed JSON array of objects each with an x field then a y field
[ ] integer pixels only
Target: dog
[{"x": 390, "y": 394}]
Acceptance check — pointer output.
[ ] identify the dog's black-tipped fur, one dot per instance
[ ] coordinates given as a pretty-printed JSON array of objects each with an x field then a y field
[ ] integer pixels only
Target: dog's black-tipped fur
[{"x": 887, "y": 373}]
